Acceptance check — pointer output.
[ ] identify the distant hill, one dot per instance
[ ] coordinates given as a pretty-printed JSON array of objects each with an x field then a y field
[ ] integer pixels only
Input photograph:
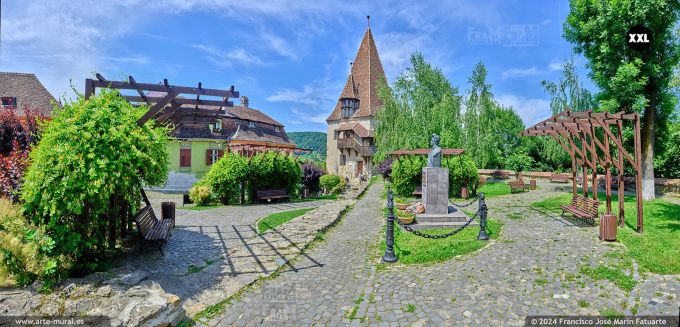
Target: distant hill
[{"x": 315, "y": 141}]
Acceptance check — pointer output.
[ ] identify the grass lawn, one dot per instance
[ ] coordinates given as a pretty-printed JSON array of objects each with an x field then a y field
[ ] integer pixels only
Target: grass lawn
[
  {"x": 493, "y": 189},
  {"x": 657, "y": 250},
  {"x": 279, "y": 218},
  {"x": 411, "y": 249}
]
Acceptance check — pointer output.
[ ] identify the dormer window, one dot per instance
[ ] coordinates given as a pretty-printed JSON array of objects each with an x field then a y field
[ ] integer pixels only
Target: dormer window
[
  {"x": 9, "y": 103},
  {"x": 278, "y": 129},
  {"x": 251, "y": 124},
  {"x": 349, "y": 106},
  {"x": 218, "y": 125}
]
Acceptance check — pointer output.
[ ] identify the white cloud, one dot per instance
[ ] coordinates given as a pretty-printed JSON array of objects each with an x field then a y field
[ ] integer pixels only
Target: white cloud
[
  {"x": 279, "y": 45},
  {"x": 519, "y": 72},
  {"x": 317, "y": 94},
  {"x": 531, "y": 111}
]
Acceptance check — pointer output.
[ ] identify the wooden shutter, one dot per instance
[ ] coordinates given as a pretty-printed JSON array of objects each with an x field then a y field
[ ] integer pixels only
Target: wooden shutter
[
  {"x": 185, "y": 157},
  {"x": 208, "y": 158},
  {"x": 220, "y": 154}
]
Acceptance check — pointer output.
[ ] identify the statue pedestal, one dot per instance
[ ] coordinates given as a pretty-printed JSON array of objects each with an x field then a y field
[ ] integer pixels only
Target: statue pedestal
[
  {"x": 438, "y": 213},
  {"x": 436, "y": 190}
]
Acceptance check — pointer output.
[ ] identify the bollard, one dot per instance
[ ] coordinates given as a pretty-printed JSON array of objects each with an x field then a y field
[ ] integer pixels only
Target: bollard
[
  {"x": 482, "y": 219},
  {"x": 389, "y": 233}
]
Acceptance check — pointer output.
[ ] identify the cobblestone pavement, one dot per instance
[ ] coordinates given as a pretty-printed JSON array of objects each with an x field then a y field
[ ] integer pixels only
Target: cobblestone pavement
[
  {"x": 212, "y": 253},
  {"x": 533, "y": 268}
]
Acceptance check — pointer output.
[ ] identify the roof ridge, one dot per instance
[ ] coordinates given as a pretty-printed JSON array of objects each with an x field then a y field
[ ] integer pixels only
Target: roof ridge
[{"x": 17, "y": 73}]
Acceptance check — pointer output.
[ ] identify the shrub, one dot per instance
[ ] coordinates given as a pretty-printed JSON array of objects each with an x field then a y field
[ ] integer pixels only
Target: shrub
[
  {"x": 340, "y": 187},
  {"x": 87, "y": 170},
  {"x": 385, "y": 168},
  {"x": 329, "y": 182},
  {"x": 201, "y": 195},
  {"x": 17, "y": 135},
  {"x": 311, "y": 175},
  {"x": 225, "y": 176},
  {"x": 275, "y": 170},
  {"x": 519, "y": 162},
  {"x": 407, "y": 173},
  {"x": 26, "y": 251}
]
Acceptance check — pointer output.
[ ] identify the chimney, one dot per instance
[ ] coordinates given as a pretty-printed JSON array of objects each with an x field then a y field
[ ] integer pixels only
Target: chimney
[{"x": 244, "y": 101}]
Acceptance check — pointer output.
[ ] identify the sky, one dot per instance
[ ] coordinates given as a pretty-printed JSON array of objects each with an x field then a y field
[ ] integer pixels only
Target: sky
[{"x": 291, "y": 58}]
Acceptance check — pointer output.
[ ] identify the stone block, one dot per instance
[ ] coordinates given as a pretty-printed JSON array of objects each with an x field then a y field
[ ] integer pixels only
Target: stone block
[{"x": 435, "y": 190}]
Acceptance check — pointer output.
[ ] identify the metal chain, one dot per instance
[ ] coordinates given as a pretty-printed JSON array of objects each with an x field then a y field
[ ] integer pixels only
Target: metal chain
[
  {"x": 464, "y": 205},
  {"x": 454, "y": 232}
]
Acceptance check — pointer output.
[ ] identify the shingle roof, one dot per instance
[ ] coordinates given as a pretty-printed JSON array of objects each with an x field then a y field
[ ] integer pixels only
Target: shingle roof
[
  {"x": 356, "y": 128},
  {"x": 366, "y": 71},
  {"x": 27, "y": 90},
  {"x": 251, "y": 114}
]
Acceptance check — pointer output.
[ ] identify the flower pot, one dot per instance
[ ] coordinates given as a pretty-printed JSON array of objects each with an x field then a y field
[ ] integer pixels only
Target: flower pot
[
  {"x": 406, "y": 219},
  {"x": 402, "y": 206},
  {"x": 464, "y": 193}
]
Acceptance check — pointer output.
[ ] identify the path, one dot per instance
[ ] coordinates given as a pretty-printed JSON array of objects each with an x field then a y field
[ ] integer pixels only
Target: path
[{"x": 532, "y": 269}]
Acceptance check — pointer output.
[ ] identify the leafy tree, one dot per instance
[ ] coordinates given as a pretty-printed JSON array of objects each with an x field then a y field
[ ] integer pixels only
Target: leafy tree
[
  {"x": 420, "y": 103},
  {"x": 407, "y": 173},
  {"x": 225, "y": 177},
  {"x": 91, "y": 157},
  {"x": 630, "y": 80},
  {"x": 668, "y": 162},
  {"x": 310, "y": 176},
  {"x": 315, "y": 141}
]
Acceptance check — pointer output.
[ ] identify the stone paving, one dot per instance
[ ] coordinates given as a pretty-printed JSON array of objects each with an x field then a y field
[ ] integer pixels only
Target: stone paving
[{"x": 533, "y": 268}]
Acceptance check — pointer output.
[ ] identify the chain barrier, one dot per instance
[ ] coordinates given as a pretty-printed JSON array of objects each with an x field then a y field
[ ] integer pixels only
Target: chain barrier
[
  {"x": 464, "y": 205},
  {"x": 430, "y": 236}
]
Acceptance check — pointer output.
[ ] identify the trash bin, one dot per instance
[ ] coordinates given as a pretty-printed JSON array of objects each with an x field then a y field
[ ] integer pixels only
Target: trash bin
[
  {"x": 532, "y": 184},
  {"x": 608, "y": 228},
  {"x": 168, "y": 211}
]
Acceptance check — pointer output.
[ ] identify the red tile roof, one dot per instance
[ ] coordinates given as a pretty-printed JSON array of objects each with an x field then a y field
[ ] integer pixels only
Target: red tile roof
[
  {"x": 356, "y": 128},
  {"x": 361, "y": 83},
  {"x": 27, "y": 90}
]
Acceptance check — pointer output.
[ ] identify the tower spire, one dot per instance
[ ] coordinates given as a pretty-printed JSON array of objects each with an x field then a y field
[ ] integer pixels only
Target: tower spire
[{"x": 368, "y": 19}]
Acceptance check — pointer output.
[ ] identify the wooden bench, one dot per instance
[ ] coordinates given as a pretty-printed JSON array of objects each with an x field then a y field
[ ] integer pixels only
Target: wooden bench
[
  {"x": 418, "y": 191},
  {"x": 152, "y": 231},
  {"x": 518, "y": 185},
  {"x": 560, "y": 178},
  {"x": 271, "y": 194},
  {"x": 582, "y": 207}
]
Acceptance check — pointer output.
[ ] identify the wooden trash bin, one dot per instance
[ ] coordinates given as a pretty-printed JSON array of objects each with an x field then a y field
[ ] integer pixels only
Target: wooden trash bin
[
  {"x": 168, "y": 211},
  {"x": 532, "y": 184},
  {"x": 608, "y": 228}
]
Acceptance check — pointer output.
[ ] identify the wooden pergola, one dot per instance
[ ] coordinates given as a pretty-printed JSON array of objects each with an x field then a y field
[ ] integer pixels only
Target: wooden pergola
[
  {"x": 588, "y": 138},
  {"x": 167, "y": 103},
  {"x": 251, "y": 150}
]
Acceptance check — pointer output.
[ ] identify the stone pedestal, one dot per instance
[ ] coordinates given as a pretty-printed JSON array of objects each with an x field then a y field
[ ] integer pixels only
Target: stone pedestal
[{"x": 436, "y": 190}]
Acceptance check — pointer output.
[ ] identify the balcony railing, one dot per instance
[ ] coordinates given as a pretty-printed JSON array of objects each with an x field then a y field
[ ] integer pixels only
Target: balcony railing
[{"x": 362, "y": 150}]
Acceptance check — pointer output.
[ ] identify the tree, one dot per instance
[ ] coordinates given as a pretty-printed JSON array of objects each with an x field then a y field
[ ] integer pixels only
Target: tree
[
  {"x": 630, "y": 80},
  {"x": 420, "y": 103}
]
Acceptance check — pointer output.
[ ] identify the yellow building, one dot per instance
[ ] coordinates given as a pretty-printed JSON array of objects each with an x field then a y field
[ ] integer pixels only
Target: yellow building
[{"x": 350, "y": 147}]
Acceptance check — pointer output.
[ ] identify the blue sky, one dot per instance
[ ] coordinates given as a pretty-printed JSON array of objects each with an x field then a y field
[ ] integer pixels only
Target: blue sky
[{"x": 290, "y": 58}]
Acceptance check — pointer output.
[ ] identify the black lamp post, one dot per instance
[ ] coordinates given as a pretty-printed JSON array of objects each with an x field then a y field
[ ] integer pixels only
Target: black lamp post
[
  {"x": 389, "y": 255},
  {"x": 482, "y": 219}
]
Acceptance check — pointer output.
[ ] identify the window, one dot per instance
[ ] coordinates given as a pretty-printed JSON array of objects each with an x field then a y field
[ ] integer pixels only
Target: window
[
  {"x": 9, "y": 103},
  {"x": 278, "y": 129},
  {"x": 212, "y": 155},
  {"x": 343, "y": 159},
  {"x": 185, "y": 158},
  {"x": 218, "y": 124},
  {"x": 349, "y": 106},
  {"x": 251, "y": 124}
]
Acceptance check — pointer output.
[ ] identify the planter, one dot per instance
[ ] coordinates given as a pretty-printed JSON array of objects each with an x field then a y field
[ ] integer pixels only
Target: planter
[
  {"x": 464, "y": 193},
  {"x": 402, "y": 206},
  {"x": 406, "y": 219}
]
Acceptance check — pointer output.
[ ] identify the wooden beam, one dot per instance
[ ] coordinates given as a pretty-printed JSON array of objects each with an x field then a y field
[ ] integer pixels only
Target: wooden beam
[
  {"x": 157, "y": 107},
  {"x": 622, "y": 191},
  {"x": 620, "y": 145},
  {"x": 167, "y": 113},
  {"x": 638, "y": 174},
  {"x": 141, "y": 93},
  {"x": 184, "y": 101},
  {"x": 89, "y": 88},
  {"x": 164, "y": 87}
]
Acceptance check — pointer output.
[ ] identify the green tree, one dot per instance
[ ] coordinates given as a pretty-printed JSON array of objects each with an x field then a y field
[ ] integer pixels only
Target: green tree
[
  {"x": 91, "y": 157},
  {"x": 420, "y": 103},
  {"x": 630, "y": 80}
]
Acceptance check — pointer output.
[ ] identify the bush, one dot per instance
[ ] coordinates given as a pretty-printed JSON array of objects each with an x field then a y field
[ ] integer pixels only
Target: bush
[
  {"x": 311, "y": 175},
  {"x": 201, "y": 195},
  {"x": 17, "y": 135},
  {"x": 26, "y": 251},
  {"x": 225, "y": 176},
  {"x": 340, "y": 187},
  {"x": 330, "y": 182},
  {"x": 87, "y": 171},
  {"x": 264, "y": 170},
  {"x": 519, "y": 162},
  {"x": 385, "y": 168},
  {"x": 407, "y": 174}
]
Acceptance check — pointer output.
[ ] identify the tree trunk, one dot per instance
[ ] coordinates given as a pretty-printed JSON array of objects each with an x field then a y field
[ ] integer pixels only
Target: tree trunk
[{"x": 648, "y": 134}]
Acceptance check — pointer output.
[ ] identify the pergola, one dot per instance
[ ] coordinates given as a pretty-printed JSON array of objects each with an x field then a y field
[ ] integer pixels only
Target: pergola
[
  {"x": 588, "y": 138},
  {"x": 250, "y": 150},
  {"x": 167, "y": 103}
]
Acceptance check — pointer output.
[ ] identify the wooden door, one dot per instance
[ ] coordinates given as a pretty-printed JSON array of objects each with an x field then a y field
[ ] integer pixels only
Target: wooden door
[{"x": 360, "y": 168}]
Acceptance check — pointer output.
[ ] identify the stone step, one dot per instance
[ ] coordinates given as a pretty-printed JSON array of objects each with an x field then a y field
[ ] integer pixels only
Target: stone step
[
  {"x": 433, "y": 225},
  {"x": 434, "y": 218}
]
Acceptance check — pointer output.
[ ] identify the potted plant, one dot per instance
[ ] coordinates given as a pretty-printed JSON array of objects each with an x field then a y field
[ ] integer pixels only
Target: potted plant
[
  {"x": 405, "y": 217},
  {"x": 402, "y": 204}
]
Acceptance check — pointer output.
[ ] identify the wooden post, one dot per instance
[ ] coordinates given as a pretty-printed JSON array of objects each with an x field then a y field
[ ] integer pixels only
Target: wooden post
[
  {"x": 585, "y": 169},
  {"x": 622, "y": 194},
  {"x": 607, "y": 178},
  {"x": 574, "y": 189},
  {"x": 89, "y": 88},
  {"x": 593, "y": 159},
  {"x": 638, "y": 174}
]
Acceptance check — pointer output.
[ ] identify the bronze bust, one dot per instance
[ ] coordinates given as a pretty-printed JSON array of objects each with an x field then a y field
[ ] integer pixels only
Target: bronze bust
[{"x": 434, "y": 158}]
